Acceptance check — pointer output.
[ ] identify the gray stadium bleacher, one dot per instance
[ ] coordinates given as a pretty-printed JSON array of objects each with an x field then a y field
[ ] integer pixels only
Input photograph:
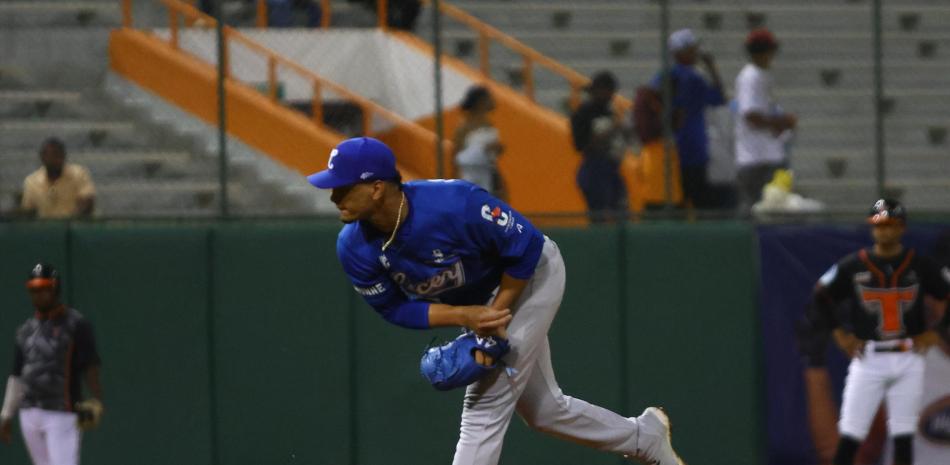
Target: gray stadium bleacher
[
  {"x": 52, "y": 72},
  {"x": 824, "y": 72}
]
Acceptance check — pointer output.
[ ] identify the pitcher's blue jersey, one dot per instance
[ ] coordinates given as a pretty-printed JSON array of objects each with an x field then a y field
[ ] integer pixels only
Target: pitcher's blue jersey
[{"x": 452, "y": 248}]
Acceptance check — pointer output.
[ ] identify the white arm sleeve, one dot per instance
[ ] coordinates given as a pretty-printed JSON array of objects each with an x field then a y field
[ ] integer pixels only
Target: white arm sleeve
[{"x": 12, "y": 398}]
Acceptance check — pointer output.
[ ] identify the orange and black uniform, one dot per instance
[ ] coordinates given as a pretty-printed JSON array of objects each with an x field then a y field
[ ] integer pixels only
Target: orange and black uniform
[
  {"x": 52, "y": 353},
  {"x": 874, "y": 298}
]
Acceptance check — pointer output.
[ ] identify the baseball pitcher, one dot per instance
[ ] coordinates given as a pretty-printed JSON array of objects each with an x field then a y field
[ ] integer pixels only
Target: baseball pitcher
[{"x": 446, "y": 253}]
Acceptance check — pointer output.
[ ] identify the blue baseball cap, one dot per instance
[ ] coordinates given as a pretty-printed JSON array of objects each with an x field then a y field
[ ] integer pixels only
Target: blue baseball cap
[{"x": 355, "y": 160}]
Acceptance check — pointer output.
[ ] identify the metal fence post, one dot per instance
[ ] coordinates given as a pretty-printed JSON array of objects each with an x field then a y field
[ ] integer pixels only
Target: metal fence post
[
  {"x": 439, "y": 119},
  {"x": 667, "y": 104},
  {"x": 222, "y": 114}
]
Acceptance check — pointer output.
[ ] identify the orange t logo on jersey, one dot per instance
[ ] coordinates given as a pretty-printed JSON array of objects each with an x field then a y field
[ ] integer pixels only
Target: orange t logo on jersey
[{"x": 889, "y": 304}]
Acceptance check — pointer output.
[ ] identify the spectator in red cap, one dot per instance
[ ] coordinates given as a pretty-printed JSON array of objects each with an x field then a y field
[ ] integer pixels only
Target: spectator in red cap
[{"x": 762, "y": 127}]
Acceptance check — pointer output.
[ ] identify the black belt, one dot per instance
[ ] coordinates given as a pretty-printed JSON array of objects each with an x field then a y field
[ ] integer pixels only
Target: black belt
[
  {"x": 891, "y": 349},
  {"x": 897, "y": 348}
]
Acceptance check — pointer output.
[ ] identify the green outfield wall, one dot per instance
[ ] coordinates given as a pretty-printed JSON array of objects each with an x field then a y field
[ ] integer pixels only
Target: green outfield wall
[{"x": 242, "y": 343}]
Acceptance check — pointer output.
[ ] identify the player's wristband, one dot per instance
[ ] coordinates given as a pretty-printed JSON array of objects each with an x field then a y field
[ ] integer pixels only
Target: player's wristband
[{"x": 411, "y": 314}]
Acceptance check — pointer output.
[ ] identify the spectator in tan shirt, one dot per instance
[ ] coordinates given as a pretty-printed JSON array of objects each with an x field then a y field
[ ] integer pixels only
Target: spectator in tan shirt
[{"x": 57, "y": 189}]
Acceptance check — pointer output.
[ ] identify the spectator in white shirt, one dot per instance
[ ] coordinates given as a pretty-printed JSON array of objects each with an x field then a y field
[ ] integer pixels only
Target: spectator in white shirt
[{"x": 761, "y": 126}]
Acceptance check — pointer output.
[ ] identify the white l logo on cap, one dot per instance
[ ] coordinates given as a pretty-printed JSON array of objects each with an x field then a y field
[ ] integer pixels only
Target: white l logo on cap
[{"x": 333, "y": 153}]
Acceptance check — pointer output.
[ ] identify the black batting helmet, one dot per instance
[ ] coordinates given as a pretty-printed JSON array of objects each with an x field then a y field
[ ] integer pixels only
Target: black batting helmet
[
  {"x": 43, "y": 275},
  {"x": 887, "y": 211}
]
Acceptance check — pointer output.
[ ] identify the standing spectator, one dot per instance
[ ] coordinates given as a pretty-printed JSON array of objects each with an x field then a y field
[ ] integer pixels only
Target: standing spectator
[
  {"x": 57, "y": 189},
  {"x": 477, "y": 144},
  {"x": 693, "y": 95},
  {"x": 54, "y": 353},
  {"x": 762, "y": 128},
  {"x": 597, "y": 134}
]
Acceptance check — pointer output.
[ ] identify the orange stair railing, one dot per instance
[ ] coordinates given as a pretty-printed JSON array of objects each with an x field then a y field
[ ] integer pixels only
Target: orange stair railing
[
  {"x": 486, "y": 34},
  {"x": 529, "y": 56},
  {"x": 180, "y": 11}
]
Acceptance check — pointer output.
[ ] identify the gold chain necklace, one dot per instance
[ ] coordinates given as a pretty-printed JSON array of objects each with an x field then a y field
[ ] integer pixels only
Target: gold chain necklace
[{"x": 402, "y": 202}]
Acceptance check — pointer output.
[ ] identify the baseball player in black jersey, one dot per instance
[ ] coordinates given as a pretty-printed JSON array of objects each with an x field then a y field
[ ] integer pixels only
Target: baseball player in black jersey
[
  {"x": 877, "y": 303},
  {"x": 54, "y": 351}
]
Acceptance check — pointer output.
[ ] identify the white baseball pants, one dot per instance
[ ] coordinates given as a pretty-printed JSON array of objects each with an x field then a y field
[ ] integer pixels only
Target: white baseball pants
[
  {"x": 51, "y": 437},
  {"x": 895, "y": 376},
  {"x": 527, "y": 385}
]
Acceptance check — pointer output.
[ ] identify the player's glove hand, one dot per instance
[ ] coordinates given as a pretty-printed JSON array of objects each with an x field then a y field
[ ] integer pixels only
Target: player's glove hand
[
  {"x": 849, "y": 343},
  {"x": 89, "y": 412},
  {"x": 453, "y": 364},
  {"x": 925, "y": 340}
]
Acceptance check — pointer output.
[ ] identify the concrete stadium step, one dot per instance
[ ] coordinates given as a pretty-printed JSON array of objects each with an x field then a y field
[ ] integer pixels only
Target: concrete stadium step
[
  {"x": 126, "y": 197},
  {"x": 923, "y": 104},
  {"x": 918, "y": 195},
  {"x": 156, "y": 197},
  {"x": 143, "y": 166},
  {"x": 193, "y": 199},
  {"x": 814, "y": 74},
  {"x": 119, "y": 197},
  {"x": 38, "y": 96},
  {"x": 646, "y": 46},
  {"x": 76, "y": 134},
  {"x": 675, "y": 3},
  {"x": 862, "y": 164},
  {"x": 46, "y": 13},
  {"x": 898, "y": 103},
  {"x": 45, "y": 103},
  {"x": 857, "y": 131},
  {"x": 58, "y": 57},
  {"x": 642, "y": 15}
]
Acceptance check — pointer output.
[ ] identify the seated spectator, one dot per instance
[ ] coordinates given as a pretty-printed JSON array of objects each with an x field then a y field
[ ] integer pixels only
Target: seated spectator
[
  {"x": 477, "y": 144},
  {"x": 57, "y": 189}
]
